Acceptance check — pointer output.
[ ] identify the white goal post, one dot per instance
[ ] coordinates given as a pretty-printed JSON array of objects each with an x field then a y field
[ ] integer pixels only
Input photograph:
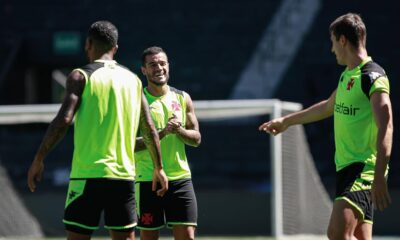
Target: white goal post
[
  {"x": 208, "y": 109},
  {"x": 304, "y": 173}
]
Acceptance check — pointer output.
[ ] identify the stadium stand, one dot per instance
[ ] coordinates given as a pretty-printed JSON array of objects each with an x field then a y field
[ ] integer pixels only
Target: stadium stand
[{"x": 209, "y": 41}]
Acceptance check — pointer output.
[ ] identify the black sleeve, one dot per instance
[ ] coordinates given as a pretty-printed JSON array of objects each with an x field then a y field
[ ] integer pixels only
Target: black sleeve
[{"x": 370, "y": 72}]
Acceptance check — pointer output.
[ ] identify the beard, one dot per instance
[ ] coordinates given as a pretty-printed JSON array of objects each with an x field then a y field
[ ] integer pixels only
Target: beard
[{"x": 159, "y": 83}]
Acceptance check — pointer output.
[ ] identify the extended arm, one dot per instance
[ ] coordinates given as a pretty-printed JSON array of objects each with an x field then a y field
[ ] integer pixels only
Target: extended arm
[
  {"x": 58, "y": 127},
  {"x": 382, "y": 110},
  {"x": 316, "y": 112}
]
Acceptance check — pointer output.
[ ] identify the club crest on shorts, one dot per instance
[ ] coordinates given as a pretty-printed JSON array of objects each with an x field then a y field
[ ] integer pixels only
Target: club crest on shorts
[{"x": 147, "y": 218}]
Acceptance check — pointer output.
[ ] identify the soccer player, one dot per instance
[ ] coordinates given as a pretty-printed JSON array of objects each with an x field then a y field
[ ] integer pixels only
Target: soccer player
[
  {"x": 109, "y": 106},
  {"x": 173, "y": 114},
  {"x": 363, "y": 129}
]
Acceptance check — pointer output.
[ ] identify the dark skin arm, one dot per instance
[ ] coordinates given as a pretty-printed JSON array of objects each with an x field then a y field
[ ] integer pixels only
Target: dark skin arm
[
  {"x": 189, "y": 134},
  {"x": 151, "y": 141},
  {"x": 140, "y": 145},
  {"x": 58, "y": 127}
]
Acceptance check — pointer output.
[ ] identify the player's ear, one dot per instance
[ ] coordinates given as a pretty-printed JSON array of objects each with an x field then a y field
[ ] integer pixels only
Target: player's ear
[
  {"x": 115, "y": 48},
  {"x": 143, "y": 70},
  {"x": 342, "y": 40}
]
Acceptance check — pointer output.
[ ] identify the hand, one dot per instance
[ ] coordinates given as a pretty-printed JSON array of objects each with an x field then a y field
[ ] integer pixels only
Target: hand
[
  {"x": 380, "y": 194},
  {"x": 274, "y": 126},
  {"x": 35, "y": 173},
  {"x": 173, "y": 124},
  {"x": 160, "y": 176}
]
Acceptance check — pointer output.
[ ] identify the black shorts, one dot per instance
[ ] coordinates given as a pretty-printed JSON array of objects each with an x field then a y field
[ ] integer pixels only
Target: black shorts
[
  {"x": 88, "y": 198},
  {"x": 353, "y": 184},
  {"x": 177, "y": 207}
]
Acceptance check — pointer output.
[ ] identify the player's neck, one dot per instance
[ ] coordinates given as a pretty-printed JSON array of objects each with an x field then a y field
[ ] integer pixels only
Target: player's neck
[
  {"x": 102, "y": 56},
  {"x": 156, "y": 90},
  {"x": 356, "y": 58}
]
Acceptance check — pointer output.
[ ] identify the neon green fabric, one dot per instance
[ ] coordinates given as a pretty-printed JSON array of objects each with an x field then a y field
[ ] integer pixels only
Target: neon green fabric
[
  {"x": 172, "y": 148},
  {"x": 75, "y": 190},
  {"x": 106, "y": 122},
  {"x": 361, "y": 182},
  {"x": 354, "y": 124}
]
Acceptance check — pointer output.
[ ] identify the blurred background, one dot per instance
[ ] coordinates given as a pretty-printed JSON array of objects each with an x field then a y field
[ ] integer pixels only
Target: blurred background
[{"x": 218, "y": 49}]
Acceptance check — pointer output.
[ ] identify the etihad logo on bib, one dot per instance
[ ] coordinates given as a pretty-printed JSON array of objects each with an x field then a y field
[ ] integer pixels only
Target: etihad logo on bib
[{"x": 345, "y": 109}]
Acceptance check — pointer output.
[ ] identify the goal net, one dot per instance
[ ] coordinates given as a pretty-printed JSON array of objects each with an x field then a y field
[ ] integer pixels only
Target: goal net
[
  {"x": 15, "y": 219},
  {"x": 300, "y": 205}
]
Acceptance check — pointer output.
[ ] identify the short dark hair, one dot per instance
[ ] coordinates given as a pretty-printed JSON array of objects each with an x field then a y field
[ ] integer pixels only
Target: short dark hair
[
  {"x": 151, "y": 51},
  {"x": 104, "y": 34},
  {"x": 352, "y": 27}
]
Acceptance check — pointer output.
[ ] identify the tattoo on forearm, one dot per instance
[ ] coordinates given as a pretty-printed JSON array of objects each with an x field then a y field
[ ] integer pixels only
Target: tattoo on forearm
[
  {"x": 59, "y": 126},
  {"x": 149, "y": 136},
  {"x": 55, "y": 132}
]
